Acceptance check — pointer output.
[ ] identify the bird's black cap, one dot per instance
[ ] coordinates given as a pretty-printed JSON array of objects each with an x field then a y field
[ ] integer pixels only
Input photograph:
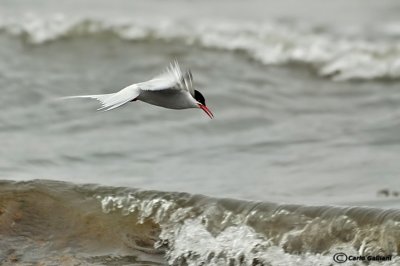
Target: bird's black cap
[{"x": 199, "y": 97}]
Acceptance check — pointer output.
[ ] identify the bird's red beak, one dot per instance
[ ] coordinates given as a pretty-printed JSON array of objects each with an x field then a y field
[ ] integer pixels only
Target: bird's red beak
[{"x": 206, "y": 110}]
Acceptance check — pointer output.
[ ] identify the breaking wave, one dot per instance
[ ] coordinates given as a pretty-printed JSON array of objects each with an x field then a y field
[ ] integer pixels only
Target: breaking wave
[
  {"x": 57, "y": 222},
  {"x": 341, "y": 56}
]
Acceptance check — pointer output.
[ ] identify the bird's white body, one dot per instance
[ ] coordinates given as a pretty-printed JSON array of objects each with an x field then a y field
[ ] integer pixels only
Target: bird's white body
[{"x": 172, "y": 89}]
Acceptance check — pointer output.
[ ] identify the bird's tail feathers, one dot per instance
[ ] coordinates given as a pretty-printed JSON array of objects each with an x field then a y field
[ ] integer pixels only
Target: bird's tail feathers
[
  {"x": 102, "y": 98},
  {"x": 112, "y": 100}
]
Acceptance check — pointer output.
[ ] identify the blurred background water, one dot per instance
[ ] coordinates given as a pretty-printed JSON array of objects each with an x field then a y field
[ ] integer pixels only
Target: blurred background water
[{"x": 305, "y": 96}]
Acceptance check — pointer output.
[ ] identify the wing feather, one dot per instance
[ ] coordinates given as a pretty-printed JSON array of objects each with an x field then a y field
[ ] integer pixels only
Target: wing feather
[
  {"x": 120, "y": 98},
  {"x": 171, "y": 79}
]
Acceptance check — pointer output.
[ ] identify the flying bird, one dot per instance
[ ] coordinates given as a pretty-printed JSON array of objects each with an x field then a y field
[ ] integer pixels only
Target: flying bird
[{"x": 172, "y": 89}]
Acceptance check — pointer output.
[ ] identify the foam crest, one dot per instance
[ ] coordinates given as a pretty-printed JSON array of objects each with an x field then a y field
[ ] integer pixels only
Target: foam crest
[
  {"x": 339, "y": 56},
  {"x": 195, "y": 232}
]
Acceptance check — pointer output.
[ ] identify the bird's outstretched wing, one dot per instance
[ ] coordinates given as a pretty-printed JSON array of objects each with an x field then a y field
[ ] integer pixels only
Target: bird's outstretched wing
[{"x": 173, "y": 78}]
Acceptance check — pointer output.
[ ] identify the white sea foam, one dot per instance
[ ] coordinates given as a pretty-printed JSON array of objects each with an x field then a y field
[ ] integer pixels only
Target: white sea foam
[
  {"x": 212, "y": 235},
  {"x": 341, "y": 57},
  {"x": 241, "y": 245}
]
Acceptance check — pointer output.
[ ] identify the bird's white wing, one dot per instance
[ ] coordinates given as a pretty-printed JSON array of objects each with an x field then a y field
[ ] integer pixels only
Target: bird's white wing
[
  {"x": 120, "y": 98},
  {"x": 171, "y": 79}
]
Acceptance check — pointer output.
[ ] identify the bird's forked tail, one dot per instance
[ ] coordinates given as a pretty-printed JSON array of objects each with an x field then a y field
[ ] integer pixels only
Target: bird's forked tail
[
  {"x": 102, "y": 98},
  {"x": 112, "y": 100}
]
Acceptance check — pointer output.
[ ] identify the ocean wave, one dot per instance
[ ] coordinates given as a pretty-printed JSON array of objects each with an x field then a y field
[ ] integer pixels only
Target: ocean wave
[
  {"x": 91, "y": 224},
  {"x": 340, "y": 56}
]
